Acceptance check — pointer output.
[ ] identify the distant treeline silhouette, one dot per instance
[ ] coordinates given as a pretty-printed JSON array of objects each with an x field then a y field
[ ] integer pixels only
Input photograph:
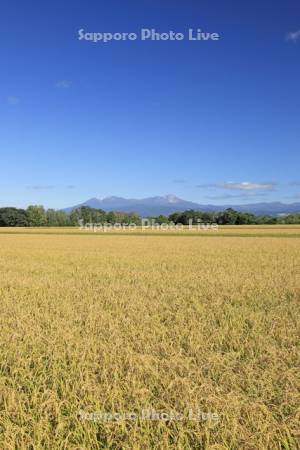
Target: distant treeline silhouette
[{"x": 38, "y": 216}]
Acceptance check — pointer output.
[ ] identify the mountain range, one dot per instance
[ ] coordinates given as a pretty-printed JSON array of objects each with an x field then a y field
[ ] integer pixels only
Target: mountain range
[{"x": 168, "y": 204}]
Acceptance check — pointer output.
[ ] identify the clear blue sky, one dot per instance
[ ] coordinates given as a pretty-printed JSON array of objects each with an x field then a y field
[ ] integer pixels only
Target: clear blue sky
[{"x": 143, "y": 118}]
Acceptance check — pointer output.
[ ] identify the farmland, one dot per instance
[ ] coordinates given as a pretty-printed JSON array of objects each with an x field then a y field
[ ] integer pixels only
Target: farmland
[{"x": 93, "y": 324}]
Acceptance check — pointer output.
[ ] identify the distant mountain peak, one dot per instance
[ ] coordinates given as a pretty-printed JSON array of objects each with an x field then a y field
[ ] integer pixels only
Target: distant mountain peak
[{"x": 172, "y": 198}]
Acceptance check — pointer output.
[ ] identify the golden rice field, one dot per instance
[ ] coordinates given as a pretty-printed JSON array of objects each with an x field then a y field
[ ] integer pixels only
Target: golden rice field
[{"x": 97, "y": 324}]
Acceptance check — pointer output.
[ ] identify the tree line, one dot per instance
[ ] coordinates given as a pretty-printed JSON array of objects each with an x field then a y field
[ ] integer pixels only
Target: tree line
[
  {"x": 231, "y": 217},
  {"x": 38, "y": 216}
]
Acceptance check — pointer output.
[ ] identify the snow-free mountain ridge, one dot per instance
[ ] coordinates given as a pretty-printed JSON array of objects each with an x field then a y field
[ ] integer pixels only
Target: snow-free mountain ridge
[{"x": 168, "y": 204}]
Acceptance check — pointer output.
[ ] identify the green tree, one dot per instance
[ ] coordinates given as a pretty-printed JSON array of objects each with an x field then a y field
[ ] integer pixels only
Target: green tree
[
  {"x": 37, "y": 216},
  {"x": 13, "y": 217}
]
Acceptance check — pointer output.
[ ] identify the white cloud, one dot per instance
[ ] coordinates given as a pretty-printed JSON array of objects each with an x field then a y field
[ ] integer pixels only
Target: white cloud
[
  {"x": 207, "y": 185},
  {"x": 248, "y": 186},
  {"x": 40, "y": 187},
  {"x": 179, "y": 181},
  {"x": 293, "y": 36},
  {"x": 243, "y": 186},
  {"x": 12, "y": 100},
  {"x": 46, "y": 187},
  {"x": 63, "y": 84}
]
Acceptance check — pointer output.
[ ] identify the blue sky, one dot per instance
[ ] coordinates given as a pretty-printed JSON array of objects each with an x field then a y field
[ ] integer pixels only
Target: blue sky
[{"x": 213, "y": 122}]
